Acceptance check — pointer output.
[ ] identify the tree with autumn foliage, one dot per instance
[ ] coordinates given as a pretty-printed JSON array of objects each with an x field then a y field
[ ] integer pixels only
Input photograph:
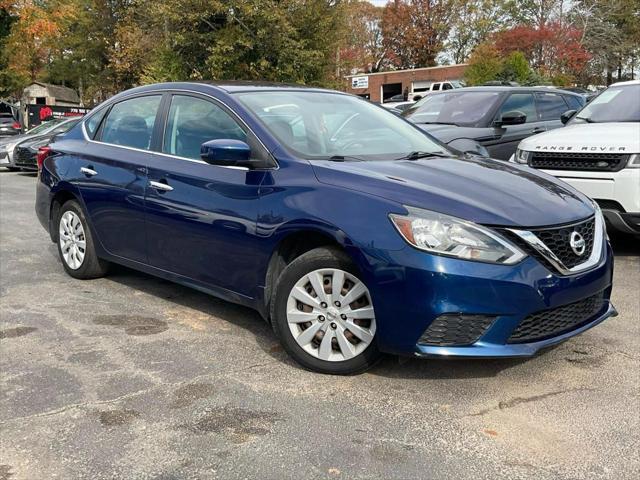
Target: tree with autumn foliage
[
  {"x": 552, "y": 49},
  {"x": 362, "y": 47},
  {"x": 31, "y": 41},
  {"x": 415, "y": 31}
]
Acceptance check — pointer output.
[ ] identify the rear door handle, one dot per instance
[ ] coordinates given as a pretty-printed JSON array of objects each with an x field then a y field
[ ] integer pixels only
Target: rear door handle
[
  {"x": 88, "y": 171},
  {"x": 160, "y": 186}
]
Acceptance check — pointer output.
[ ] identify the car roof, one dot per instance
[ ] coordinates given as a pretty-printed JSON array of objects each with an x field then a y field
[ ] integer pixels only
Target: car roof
[
  {"x": 508, "y": 89},
  {"x": 232, "y": 86}
]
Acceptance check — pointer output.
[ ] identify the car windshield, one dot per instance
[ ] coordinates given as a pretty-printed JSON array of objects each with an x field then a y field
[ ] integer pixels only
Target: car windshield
[
  {"x": 462, "y": 108},
  {"x": 615, "y": 104},
  {"x": 43, "y": 127},
  {"x": 320, "y": 125}
]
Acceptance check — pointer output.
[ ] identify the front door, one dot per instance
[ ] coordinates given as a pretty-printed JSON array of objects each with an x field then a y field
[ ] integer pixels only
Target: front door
[
  {"x": 551, "y": 106},
  {"x": 508, "y": 137},
  {"x": 112, "y": 178},
  {"x": 201, "y": 218}
]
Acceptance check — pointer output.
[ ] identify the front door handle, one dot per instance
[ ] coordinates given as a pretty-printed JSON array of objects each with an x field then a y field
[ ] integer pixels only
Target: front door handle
[
  {"x": 88, "y": 171},
  {"x": 160, "y": 186}
]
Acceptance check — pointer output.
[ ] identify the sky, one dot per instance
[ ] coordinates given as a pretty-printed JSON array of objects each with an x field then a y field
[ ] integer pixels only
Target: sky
[{"x": 379, "y": 3}]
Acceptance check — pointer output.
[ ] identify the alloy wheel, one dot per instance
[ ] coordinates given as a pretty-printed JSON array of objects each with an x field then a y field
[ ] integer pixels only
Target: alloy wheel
[
  {"x": 72, "y": 239},
  {"x": 330, "y": 315}
]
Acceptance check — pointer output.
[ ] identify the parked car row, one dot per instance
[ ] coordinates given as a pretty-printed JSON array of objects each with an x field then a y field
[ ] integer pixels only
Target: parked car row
[
  {"x": 19, "y": 152},
  {"x": 491, "y": 120},
  {"x": 352, "y": 231}
]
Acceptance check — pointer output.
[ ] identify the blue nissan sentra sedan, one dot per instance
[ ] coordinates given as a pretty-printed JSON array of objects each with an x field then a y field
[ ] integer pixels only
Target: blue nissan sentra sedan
[{"x": 349, "y": 229}]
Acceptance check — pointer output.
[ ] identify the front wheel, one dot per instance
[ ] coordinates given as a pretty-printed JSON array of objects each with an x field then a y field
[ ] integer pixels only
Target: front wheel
[
  {"x": 75, "y": 244},
  {"x": 323, "y": 314}
]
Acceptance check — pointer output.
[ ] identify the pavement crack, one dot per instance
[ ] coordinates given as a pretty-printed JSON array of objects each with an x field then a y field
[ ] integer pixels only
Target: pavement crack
[
  {"x": 92, "y": 403},
  {"x": 503, "y": 405}
]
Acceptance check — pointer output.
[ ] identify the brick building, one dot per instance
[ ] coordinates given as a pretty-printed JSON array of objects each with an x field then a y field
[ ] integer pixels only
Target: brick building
[{"x": 383, "y": 85}]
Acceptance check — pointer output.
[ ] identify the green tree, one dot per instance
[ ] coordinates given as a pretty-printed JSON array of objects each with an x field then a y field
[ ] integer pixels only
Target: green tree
[
  {"x": 485, "y": 65},
  {"x": 515, "y": 68}
]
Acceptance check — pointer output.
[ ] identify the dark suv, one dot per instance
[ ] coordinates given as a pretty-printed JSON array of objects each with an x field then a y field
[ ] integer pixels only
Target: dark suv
[{"x": 491, "y": 120}]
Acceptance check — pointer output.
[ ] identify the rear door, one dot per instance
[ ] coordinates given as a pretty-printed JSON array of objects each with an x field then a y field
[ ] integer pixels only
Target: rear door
[
  {"x": 112, "y": 173},
  {"x": 508, "y": 137},
  {"x": 201, "y": 218}
]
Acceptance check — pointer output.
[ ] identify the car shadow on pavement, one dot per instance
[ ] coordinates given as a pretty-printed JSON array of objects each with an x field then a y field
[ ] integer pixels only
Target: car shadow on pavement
[
  {"x": 443, "y": 369},
  {"x": 624, "y": 245},
  {"x": 208, "y": 305}
]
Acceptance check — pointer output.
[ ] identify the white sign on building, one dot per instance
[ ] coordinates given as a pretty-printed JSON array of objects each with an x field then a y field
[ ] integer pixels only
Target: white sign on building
[{"x": 359, "y": 82}]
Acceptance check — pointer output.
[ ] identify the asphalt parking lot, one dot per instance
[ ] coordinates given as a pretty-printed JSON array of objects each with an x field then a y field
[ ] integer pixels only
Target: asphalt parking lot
[{"x": 132, "y": 377}]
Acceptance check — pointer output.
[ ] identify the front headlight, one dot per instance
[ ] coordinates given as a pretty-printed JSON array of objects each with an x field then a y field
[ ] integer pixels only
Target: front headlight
[
  {"x": 7, "y": 147},
  {"x": 522, "y": 156},
  {"x": 444, "y": 235},
  {"x": 634, "y": 161},
  {"x": 35, "y": 146}
]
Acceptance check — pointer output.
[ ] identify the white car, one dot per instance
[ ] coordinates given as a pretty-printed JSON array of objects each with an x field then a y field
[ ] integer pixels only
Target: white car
[{"x": 598, "y": 153}]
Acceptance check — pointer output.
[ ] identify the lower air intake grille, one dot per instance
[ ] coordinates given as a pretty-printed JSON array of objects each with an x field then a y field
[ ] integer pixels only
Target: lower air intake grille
[
  {"x": 23, "y": 156},
  {"x": 453, "y": 329},
  {"x": 554, "y": 322}
]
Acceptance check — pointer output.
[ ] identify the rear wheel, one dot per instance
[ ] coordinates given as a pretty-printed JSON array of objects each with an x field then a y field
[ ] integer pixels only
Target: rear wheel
[
  {"x": 323, "y": 314},
  {"x": 75, "y": 244}
]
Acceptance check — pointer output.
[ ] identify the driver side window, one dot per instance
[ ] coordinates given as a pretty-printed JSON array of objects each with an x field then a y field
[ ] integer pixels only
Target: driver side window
[
  {"x": 521, "y": 102},
  {"x": 193, "y": 121}
]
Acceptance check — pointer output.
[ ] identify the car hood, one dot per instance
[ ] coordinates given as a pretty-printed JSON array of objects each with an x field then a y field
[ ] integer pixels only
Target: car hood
[
  {"x": 481, "y": 190},
  {"x": 448, "y": 133},
  {"x": 620, "y": 137}
]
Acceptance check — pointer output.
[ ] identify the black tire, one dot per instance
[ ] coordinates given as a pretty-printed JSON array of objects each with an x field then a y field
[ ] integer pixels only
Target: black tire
[
  {"x": 313, "y": 260},
  {"x": 13, "y": 169},
  {"x": 92, "y": 266}
]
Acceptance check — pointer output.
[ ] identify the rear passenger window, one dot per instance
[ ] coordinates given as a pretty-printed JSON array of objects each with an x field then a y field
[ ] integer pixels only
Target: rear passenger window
[
  {"x": 193, "y": 121},
  {"x": 436, "y": 86},
  {"x": 130, "y": 122},
  {"x": 91, "y": 125},
  {"x": 551, "y": 106},
  {"x": 520, "y": 102},
  {"x": 573, "y": 102}
]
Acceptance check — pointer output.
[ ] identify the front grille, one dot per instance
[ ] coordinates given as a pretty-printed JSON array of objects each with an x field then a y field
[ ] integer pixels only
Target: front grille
[
  {"x": 597, "y": 162},
  {"x": 554, "y": 322},
  {"x": 24, "y": 156},
  {"x": 455, "y": 329},
  {"x": 557, "y": 239}
]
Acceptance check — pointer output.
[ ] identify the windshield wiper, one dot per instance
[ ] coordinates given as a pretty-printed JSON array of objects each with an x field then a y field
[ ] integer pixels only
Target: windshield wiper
[
  {"x": 588, "y": 120},
  {"x": 343, "y": 158},
  {"x": 440, "y": 123},
  {"x": 418, "y": 155}
]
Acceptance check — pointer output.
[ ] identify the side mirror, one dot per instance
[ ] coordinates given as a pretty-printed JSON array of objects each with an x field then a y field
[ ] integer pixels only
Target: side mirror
[
  {"x": 226, "y": 152},
  {"x": 566, "y": 116},
  {"x": 512, "y": 118}
]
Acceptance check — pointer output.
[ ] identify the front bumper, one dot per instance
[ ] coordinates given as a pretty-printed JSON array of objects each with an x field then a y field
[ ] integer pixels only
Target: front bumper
[
  {"x": 485, "y": 348},
  {"x": 410, "y": 289}
]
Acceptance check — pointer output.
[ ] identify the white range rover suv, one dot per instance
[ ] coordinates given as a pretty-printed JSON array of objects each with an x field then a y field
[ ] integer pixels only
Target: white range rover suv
[{"x": 597, "y": 152}]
